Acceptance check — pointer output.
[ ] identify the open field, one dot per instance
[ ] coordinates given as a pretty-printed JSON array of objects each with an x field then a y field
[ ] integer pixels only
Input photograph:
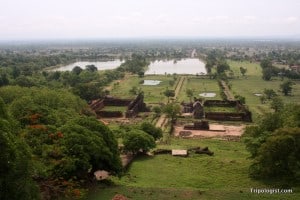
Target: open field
[
  {"x": 222, "y": 176},
  {"x": 199, "y": 86},
  {"x": 253, "y": 83},
  {"x": 153, "y": 93}
]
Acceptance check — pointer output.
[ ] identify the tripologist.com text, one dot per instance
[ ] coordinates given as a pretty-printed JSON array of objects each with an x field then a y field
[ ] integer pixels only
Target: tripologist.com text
[{"x": 271, "y": 191}]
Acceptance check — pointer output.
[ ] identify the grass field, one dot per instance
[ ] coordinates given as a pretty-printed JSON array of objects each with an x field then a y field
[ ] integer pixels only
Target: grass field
[
  {"x": 153, "y": 94},
  {"x": 115, "y": 108},
  {"x": 222, "y": 176},
  {"x": 199, "y": 86},
  {"x": 253, "y": 83}
]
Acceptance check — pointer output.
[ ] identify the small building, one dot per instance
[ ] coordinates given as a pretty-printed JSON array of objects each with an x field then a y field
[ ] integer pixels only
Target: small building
[
  {"x": 101, "y": 175},
  {"x": 177, "y": 152},
  {"x": 295, "y": 68}
]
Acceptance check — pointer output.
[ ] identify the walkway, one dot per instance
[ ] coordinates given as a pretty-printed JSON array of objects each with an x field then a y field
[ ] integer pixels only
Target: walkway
[{"x": 161, "y": 122}]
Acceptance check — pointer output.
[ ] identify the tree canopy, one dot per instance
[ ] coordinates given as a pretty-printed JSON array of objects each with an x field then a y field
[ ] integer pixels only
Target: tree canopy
[{"x": 274, "y": 144}]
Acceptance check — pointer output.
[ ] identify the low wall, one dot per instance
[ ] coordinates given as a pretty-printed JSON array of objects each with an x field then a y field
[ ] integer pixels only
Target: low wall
[
  {"x": 110, "y": 101},
  {"x": 220, "y": 103},
  {"x": 223, "y": 116},
  {"x": 108, "y": 114}
]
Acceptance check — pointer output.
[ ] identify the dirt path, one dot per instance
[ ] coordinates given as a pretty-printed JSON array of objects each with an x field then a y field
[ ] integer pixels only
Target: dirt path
[
  {"x": 179, "y": 86},
  {"x": 163, "y": 119},
  {"x": 227, "y": 91}
]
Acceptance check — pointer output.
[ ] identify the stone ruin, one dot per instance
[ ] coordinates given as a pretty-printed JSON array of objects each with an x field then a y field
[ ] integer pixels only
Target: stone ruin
[
  {"x": 197, "y": 108},
  {"x": 197, "y": 125},
  {"x": 134, "y": 106}
]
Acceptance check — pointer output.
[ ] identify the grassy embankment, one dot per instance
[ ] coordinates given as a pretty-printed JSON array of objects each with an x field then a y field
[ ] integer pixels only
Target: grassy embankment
[
  {"x": 222, "y": 176},
  {"x": 153, "y": 93}
]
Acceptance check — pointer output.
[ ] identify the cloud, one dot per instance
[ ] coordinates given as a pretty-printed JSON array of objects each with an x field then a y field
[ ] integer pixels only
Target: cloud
[{"x": 292, "y": 20}]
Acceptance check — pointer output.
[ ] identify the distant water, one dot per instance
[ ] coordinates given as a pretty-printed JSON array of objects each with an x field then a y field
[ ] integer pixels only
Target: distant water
[
  {"x": 101, "y": 65},
  {"x": 151, "y": 82},
  {"x": 184, "y": 66}
]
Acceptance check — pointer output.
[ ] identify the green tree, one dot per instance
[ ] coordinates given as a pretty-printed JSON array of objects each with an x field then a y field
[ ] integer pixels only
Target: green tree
[
  {"x": 91, "y": 68},
  {"x": 222, "y": 66},
  {"x": 286, "y": 87},
  {"x": 157, "y": 110},
  {"x": 136, "y": 140},
  {"x": 240, "y": 98},
  {"x": 77, "y": 70},
  {"x": 269, "y": 93},
  {"x": 243, "y": 70},
  {"x": 15, "y": 163},
  {"x": 189, "y": 93},
  {"x": 88, "y": 91},
  {"x": 266, "y": 63},
  {"x": 278, "y": 156},
  {"x": 169, "y": 93},
  {"x": 149, "y": 128},
  {"x": 267, "y": 73},
  {"x": 277, "y": 104},
  {"x": 272, "y": 144},
  {"x": 172, "y": 111}
]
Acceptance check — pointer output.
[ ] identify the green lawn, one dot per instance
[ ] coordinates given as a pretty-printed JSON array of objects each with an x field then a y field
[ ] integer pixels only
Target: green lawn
[
  {"x": 115, "y": 108},
  {"x": 199, "y": 86},
  {"x": 153, "y": 94},
  {"x": 253, "y": 83},
  {"x": 222, "y": 176}
]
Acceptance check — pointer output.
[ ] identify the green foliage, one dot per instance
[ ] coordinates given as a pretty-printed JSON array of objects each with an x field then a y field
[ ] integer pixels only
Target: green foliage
[
  {"x": 278, "y": 156},
  {"x": 88, "y": 144},
  {"x": 149, "y": 128},
  {"x": 135, "y": 90},
  {"x": 272, "y": 138},
  {"x": 240, "y": 98},
  {"x": 62, "y": 141},
  {"x": 136, "y": 140},
  {"x": 15, "y": 163},
  {"x": 222, "y": 66},
  {"x": 172, "y": 110},
  {"x": 277, "y": 104},
  {"x": 169, "y": 93},
  {"x": 157, "y": 110},
  {"x": 88, "y": 91},
  {"x": 267, "y": 73},
  {"x": 91, "y": 68},
  {"x": 286, "y": 87},
  {"x": 266, "y": 63},
  {"x": 243, "y": 70},
  {"x": 270, "y": 93},
  {"x": 189, "y": 93},
  {"x": 135, "y": 65}
]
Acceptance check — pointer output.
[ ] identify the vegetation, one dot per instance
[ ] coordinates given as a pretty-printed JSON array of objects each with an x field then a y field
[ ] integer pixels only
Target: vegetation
[
  {"x": 274, "y": 144},
  {"x": 61, "y": 140},
  {"x": 223, "y": 176},
  {"x": 136, "y": 140},
  {"x": 286, "y": 87}
]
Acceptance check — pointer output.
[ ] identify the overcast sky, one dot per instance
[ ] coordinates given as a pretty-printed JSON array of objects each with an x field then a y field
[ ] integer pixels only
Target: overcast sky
[{"x": 89, "y": 19}]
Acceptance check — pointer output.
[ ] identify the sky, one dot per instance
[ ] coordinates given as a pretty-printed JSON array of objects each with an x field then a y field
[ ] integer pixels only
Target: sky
[{"x": 93, "y": 19}]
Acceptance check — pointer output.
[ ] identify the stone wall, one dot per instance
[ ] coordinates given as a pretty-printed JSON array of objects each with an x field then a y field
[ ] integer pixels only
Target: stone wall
[
  {"x": 225, "y": 116},
  {"x": 133, "y": 106},
  {"x": 242, "y": 113},
  {"x": 136, "y": 106}
]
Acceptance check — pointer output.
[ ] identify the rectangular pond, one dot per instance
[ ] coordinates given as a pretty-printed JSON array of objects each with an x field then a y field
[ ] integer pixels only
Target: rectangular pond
[
  {"x": 184, "y": 66},
  {"x": 101, "y": 65}
]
